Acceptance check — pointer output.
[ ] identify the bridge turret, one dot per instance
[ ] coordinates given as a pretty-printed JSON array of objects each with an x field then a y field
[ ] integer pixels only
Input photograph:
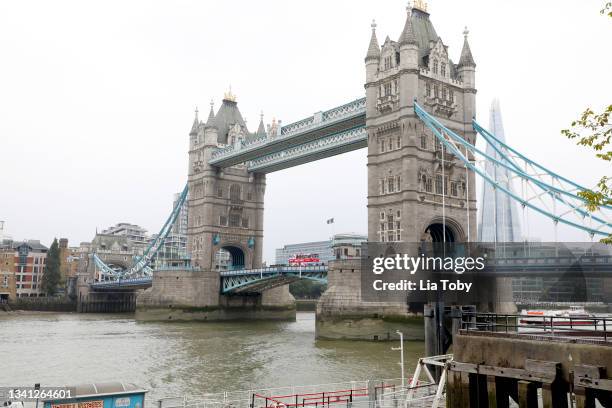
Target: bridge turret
[
  {"x": 372, "y": 61},
  {"x": 210, "y": 128},
  {"x": 466, "y": 69},
  {"x": 409, "y": 64}
]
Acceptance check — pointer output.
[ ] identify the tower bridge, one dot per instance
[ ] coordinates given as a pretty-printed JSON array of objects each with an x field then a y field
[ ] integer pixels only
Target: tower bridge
[{"x": 417, "y": 121}]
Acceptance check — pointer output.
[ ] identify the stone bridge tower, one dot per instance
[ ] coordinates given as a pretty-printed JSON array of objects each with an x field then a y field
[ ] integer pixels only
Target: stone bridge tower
[
  {"x": 410, "y": 178},
  {"x": 225, "y": 205},
  {"x": 414, "y": 187}
]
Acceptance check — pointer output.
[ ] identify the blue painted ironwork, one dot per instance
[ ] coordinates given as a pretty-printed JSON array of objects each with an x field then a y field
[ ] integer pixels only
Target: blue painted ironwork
[
  {"x": 335, "y": 120},
  {"x": 324, "y": 147},
  {"x": 132, "y": 283},
  {"x": 140, "y": 267},
  {"x": 256, "y": 280},
  {"x": 453, "y": 142}
]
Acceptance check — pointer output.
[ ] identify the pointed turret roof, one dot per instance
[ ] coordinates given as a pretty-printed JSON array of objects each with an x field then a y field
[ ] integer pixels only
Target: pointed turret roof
[
  {"x": 466, "y": 59},
  {"x": 210, "y": 122},
  {"x": 261, "y": 130},
  {"x": 196, "y": 122},
  {"x": 228, "y": 115},
  {"x": 408, "y": 36},
  {"x": 374, "y": 48}
]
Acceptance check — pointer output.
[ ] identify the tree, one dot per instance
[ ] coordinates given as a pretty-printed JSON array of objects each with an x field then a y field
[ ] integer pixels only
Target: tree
[
  {"x": 52, "y": 276},
  {"x": 306, "y": 289},
  {"x": 594, "y": 130}
]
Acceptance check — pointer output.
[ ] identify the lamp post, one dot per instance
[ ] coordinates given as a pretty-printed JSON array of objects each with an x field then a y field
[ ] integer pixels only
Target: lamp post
[{"x": 401, "y": 350}]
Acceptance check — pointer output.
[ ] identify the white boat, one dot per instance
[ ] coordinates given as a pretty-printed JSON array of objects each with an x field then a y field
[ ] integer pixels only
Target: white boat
[{"x": 574, "y": 316}]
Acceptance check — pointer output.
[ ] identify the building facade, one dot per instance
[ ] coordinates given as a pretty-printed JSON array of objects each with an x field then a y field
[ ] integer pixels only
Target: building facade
[
  {"x": 341, "y": 246},
  {"x": 417, "y": 191},
  {"x": 8, "y": 288},
  {"x": 26, "y": 261}
]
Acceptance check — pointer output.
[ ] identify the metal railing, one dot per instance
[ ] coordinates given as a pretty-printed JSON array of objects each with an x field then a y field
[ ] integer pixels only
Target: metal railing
[{"x": 592, "y": 328}]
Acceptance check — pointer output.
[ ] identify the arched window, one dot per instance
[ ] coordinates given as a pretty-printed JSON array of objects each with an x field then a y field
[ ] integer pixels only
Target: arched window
[
  {"x": 444, "y": 93},
  {"x": 423, "y": 142},
  {"x": 428, "y": 89},
  {"x": 436, "y": 91},
  {"x": 235, "y": 193},
  {"x": 435, "y": 66},
  {"x": 443, "y": 69},
  {"x": 423, "y": 183}
]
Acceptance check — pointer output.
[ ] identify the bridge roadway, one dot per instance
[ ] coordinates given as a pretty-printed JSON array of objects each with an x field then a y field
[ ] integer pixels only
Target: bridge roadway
[
  {"x": 257, "y": 280},
  {"x": 324, "y": 134}
]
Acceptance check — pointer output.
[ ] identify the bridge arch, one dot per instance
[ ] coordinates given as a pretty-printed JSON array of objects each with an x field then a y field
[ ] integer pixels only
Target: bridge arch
[
  {"x": 437, "y": 227},
  {"x": 233, "y": 255}
]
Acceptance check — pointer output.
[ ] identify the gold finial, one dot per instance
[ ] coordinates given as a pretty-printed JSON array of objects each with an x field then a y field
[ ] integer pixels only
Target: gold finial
[
  {"x": 229, "y": 96},
  {"x": 420, "y": 5}
]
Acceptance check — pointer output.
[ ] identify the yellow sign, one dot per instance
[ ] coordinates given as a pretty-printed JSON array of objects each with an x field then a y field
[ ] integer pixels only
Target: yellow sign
[{"x": 85, "y": 404}]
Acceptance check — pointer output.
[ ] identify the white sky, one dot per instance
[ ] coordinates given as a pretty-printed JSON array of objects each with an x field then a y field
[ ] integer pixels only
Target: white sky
[{"x": 97, "y": 98}]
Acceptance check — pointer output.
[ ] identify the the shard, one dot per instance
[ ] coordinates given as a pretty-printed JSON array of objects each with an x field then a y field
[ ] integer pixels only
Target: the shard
[{"x": 499, "y": 221}]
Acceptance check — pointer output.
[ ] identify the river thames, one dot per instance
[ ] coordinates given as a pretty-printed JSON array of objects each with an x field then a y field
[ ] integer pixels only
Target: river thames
[{"x": 192, "y": 359}]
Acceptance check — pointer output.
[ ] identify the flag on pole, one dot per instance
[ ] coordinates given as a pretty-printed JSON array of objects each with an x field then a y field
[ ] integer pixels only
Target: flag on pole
[{"x": 330, "y": 221}]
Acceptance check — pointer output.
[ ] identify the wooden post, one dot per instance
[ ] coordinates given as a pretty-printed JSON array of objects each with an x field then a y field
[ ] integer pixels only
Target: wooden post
[
  {"x": 584, "y": 398},
  {"x": 492, "y": 391},
  {"x": 528, "y": 394}
]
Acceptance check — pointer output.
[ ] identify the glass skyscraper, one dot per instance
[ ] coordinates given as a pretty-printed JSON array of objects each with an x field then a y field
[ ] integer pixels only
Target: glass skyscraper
[{"x": 499, "y": 221}]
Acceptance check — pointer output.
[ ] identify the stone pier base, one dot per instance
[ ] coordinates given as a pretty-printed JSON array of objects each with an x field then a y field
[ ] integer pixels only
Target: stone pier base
[
  {"x": 341, "y": 314},
  {"x": 188, "y": 295}
]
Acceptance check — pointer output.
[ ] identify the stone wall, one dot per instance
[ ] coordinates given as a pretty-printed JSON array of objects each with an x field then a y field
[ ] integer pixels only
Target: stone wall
[
  {"x": 188, "y": 295},
  {"x": 341, "y": 313}
]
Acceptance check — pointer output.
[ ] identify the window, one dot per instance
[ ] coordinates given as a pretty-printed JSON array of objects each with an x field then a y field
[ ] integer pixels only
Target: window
[
  {"x": 436, "y": 91},
  {"x": 451, "y": 95},
  {"x": 444, "y": 93},
  {"x": 438, "y": 184},
  {"x": 382, "y": 186},
  {"x": 382, "y": 215},
  {"x": 220, "y": 192},
  {"x": 423, "y": 142},
  {"x": 423, "y": 183},
  {"x": 388, "y": 89},
  {"x": 398, "y": 183},
  {"x": 388, "y": 62},
  {"x": 250, "y": 196},
  {"x": 428, "y": 89},
  {"x": 390, "y": 144},
  {"x": 235, "y": 193},
  {"x": 435, "y": 66},
  {"x": 234, "y": 220},
  {"x": 222, "y": 220},
  {"x": 398, "y": 214},
  {"x": 245, "y": 222},
  {"x": 454, "y": 189},
  {"x": 399, "y": 142},
  {"x": 382, "y": 146},
  {"x": 391, "y": 185},
  {"x": 428, "y": 186},
  {"x": 443, "y": 69}
]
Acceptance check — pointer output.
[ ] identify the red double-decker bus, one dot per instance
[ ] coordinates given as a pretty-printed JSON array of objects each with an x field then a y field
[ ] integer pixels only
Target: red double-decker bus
[{"x": 305, "y": 260}]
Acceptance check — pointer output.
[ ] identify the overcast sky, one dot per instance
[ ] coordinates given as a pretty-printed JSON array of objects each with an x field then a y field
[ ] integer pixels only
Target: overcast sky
[{"x": 97, "y": 98}]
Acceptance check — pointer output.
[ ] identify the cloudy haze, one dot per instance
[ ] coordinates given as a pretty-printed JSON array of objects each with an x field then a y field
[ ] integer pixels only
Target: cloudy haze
[{"x": 97, "y": 98}]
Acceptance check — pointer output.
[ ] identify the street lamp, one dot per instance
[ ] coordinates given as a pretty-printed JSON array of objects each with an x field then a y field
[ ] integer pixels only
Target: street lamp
[{"x": 401, "y": 350}]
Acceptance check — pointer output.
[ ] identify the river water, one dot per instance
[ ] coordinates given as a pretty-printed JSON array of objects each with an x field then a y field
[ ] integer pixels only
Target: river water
[{"x": 191, "y": 359}]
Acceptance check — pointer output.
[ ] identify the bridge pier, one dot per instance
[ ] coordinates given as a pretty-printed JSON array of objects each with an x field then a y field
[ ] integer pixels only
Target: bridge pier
[
  {"x": 194, "y": 295},
  {"x": 342, "y": 314}
]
